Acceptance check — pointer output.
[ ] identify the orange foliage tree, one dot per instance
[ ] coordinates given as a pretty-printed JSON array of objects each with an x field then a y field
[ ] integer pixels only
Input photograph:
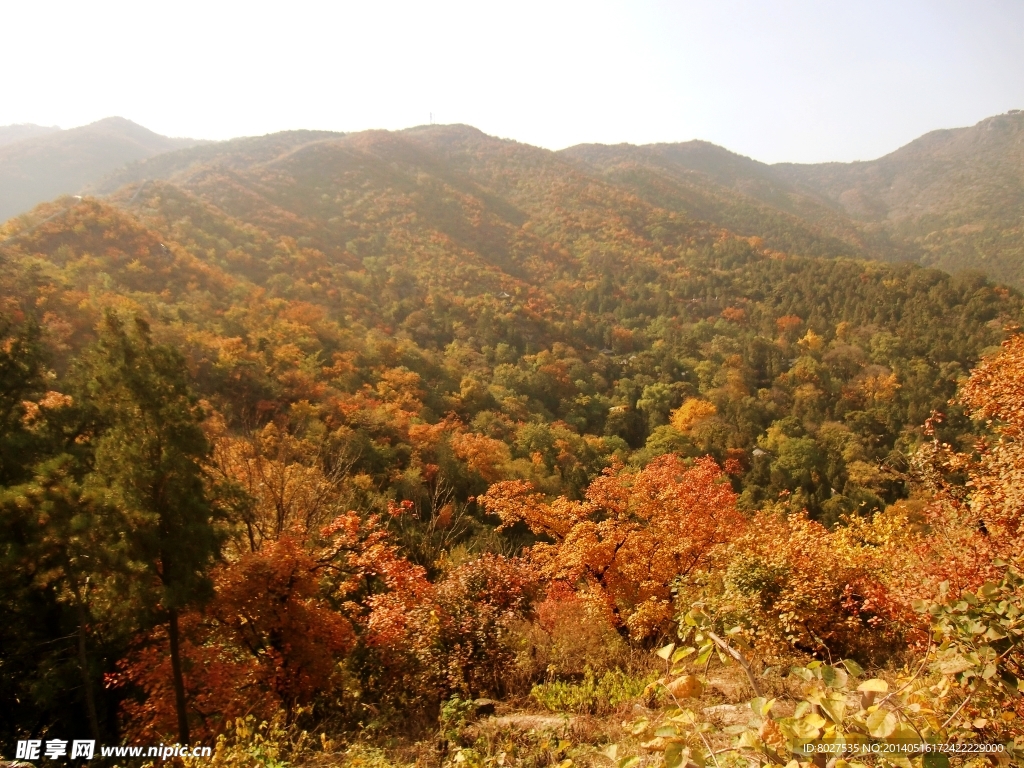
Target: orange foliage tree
[
  {"x": 973, "y": 521},
  {"x": 281, "y": 619},
  {"x": 631, "y": 536},
  {"x": 977, "y": 612},
  {"x": 451, "y": 638},
  {"x": 995, "y": 393}
]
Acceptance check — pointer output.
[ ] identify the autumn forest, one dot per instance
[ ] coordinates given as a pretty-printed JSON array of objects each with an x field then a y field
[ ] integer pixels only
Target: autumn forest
[{"x": 430, "y": 448}]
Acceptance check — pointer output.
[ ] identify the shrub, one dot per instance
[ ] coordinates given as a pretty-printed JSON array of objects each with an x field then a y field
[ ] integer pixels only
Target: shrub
[
  {"x": 478, "y": 602},
  {"x": 792, "y": 585},
  {"x": 591, "y": 695},
  {"x": 453, "y": 638},
  {"x": 247, "y": 742},
  {"x": 568, "y": 635}
]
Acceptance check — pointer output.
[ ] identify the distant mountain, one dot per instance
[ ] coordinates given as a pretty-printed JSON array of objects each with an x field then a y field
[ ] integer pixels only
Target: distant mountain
[
  {"x": 953, "y": 199},
  {"x": 19, "y": 131},
  {"x": 235, "y": 154},
  {"x": 490, "y": 197},
  {"x": 707, "y": 182},
  {"x": 38, "y": 164}
]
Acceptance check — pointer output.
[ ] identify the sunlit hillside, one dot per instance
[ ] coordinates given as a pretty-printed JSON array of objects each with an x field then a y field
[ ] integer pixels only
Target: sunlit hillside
[
  {"x": 952, "y": 199},
  {"x": 344, "y": 433}
]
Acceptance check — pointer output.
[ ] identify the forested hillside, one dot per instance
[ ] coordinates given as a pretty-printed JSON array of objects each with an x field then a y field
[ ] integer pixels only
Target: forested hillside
[
  {"x": 710, "y": 183},
  {"x": 952, "y": 199},
  {"x": 281, "y": 414},
  {"x": 549, "y": 298}
]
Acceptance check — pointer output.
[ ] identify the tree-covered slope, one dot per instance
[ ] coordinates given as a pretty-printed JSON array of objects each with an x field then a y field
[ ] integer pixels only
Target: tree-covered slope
[
  {"x": 535, "y": 303},
  {"x": 265, "y": 406},
  {"x": 952, "y": 199},
  {"x": 707, "y": 182}
]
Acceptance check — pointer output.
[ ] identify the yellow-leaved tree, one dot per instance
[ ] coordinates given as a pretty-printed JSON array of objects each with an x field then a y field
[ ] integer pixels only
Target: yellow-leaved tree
[{"x": 691, "y": 413}]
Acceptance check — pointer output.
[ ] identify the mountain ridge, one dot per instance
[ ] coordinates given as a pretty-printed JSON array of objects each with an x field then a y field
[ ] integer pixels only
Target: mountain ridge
[
  {"x": 20, "y": 131},
  {"x": 953, "y": 198},
  {"x": 43, "y": 166}
]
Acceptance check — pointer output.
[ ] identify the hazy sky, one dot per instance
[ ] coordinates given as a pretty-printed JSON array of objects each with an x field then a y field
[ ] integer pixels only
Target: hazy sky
[{"x": 799, "y": 80}]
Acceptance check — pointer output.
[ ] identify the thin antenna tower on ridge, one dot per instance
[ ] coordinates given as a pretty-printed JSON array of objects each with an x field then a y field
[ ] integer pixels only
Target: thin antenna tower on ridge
[{"x": 431, "y": 118}]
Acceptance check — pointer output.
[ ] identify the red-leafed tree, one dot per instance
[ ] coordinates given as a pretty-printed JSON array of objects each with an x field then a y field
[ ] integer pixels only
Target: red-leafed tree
[{"x": 632, "y": 535}]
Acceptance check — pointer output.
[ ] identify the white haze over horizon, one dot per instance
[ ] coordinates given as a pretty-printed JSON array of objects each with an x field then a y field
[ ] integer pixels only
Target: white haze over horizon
[{"x": 778, "y": 80}]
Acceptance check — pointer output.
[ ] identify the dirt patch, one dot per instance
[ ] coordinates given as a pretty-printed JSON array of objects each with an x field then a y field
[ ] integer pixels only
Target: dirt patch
[
  {"x": 527, "y": 722},
  {"x": 730, "y": 714}
]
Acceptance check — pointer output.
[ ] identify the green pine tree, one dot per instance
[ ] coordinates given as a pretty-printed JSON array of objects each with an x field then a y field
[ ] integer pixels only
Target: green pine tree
[{"x": 149, "y": 457}]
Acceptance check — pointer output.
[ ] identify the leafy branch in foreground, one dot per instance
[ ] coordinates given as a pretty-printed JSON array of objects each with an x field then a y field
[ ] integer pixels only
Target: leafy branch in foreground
[{"x": 964, "y": 690}]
